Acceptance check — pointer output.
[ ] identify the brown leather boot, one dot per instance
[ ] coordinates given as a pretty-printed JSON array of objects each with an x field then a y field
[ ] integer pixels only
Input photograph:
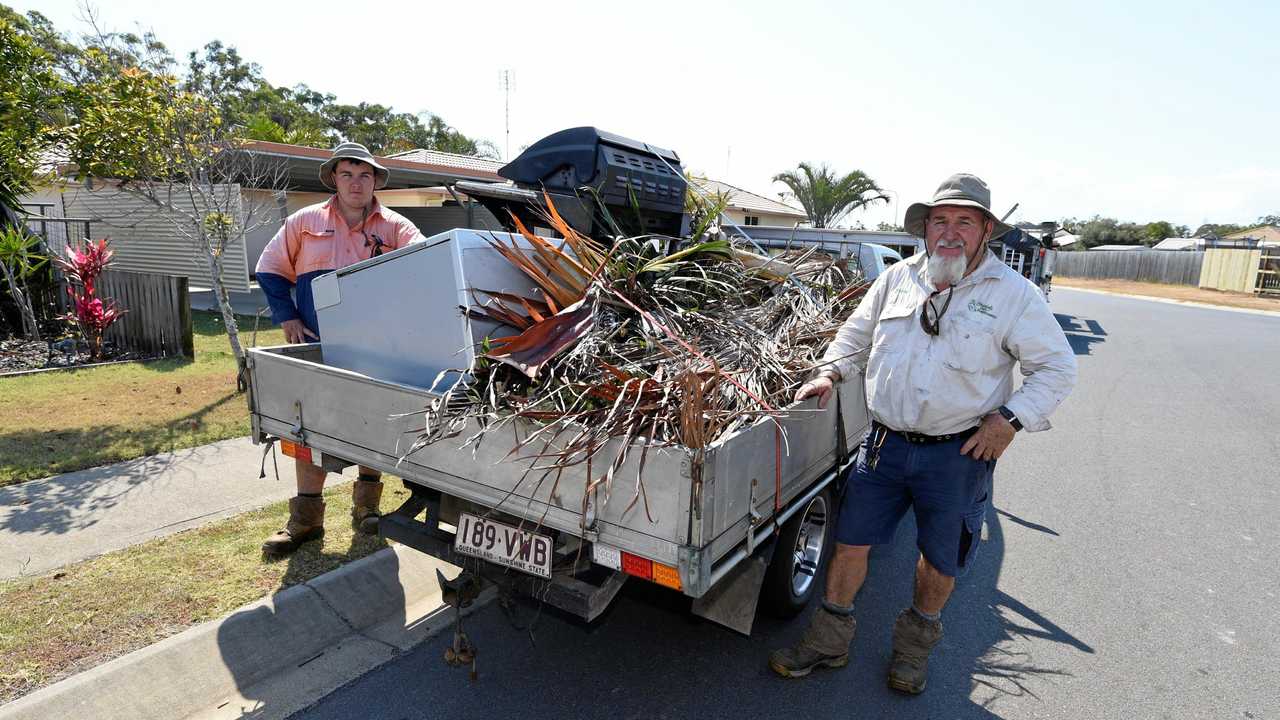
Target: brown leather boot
[
  {"x": 913, "y": 640},
  {"x": 306, "y": 523},
  {"x": 365, "y": 495},
  {"x": 825, "y": 644}
]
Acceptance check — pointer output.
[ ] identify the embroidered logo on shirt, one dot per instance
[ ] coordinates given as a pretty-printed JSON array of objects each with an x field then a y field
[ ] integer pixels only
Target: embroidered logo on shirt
[{"x": 981, "y": 307}]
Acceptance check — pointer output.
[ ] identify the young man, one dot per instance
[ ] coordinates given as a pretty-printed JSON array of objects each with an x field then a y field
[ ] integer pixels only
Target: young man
[
  {"x": 351, "y": 226},
  {"x": 937, "y": 335}
]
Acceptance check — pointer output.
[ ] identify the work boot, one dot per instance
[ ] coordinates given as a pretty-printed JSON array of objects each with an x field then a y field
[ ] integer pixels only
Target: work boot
[
  {"x": 365, "y": 495},
  {"x": 306, "y": 523},
  {"x": 825, "y": 644},
  {"x": 913, "y": 639}
]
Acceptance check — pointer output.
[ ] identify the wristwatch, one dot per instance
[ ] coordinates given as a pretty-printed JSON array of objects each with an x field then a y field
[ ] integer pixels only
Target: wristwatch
[{"x": 1007, "y": 414}]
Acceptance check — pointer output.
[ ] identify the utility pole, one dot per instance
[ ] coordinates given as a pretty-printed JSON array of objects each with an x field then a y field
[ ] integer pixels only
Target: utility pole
[{"x": 507, "y": 82}]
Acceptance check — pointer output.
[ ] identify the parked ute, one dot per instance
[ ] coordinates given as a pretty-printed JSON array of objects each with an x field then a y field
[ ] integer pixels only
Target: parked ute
[{"x": 875, "y": 259}]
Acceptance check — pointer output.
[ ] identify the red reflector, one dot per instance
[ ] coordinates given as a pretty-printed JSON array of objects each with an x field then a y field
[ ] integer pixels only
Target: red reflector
[
  {"x": 296, "y": 451},
  {"x": 637, "y": 566}
]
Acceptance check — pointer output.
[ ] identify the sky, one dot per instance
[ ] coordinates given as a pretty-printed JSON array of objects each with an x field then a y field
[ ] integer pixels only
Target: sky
[{"x": 1141, "y": 111}]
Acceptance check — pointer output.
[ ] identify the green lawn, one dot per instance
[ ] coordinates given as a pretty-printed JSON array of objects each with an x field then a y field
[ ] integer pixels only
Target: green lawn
[
  {"x": 55, "y": 422},
  {"x": 87, "y": 613}
]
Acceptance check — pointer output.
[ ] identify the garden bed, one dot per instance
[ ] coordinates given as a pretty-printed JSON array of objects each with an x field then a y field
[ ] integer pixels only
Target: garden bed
[{"x": 17, "y": 355}]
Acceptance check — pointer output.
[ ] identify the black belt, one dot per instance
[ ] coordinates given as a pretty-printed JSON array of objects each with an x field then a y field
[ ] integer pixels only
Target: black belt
[{"x": 921, "y": 438}]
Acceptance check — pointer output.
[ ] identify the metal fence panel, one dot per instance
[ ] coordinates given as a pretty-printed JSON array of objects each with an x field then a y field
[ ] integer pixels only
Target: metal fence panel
[{"x": 1159, "y": 266}]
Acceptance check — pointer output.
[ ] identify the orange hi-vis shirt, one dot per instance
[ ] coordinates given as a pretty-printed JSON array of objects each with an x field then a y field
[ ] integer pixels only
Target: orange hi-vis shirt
[{"x": 316, "y": 240}]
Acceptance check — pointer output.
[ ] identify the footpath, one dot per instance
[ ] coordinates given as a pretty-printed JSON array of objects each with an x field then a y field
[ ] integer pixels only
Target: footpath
[{"x": 270, "y": 658}]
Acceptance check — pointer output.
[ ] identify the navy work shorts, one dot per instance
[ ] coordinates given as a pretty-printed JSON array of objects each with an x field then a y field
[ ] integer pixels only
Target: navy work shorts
[{"x": 949, "y": 492}]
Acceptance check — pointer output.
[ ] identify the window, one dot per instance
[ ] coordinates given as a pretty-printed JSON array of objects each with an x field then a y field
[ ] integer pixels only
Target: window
[{"x": 751, "y": 220}]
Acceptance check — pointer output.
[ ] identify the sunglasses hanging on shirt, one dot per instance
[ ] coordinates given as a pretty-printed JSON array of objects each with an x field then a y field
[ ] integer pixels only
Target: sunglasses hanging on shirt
[
  {"x": 376, "y": 243},
  {"x": 931, "y": 316}
]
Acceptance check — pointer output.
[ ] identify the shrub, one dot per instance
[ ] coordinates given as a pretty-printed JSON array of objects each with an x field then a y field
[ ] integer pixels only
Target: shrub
[{"x": 90, "y": 314}]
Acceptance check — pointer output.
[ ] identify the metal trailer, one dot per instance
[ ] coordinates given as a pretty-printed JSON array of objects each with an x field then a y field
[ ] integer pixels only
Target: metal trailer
[{"x": 699, "y": 516}]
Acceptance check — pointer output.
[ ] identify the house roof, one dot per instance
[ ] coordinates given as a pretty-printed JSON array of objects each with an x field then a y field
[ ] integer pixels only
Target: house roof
[
  {"x": 302, "y": 164},
  {"x": 740, "y": 199},
  {"x": 1179, "y": 244},
  {"x": 448, "y": 159},
  {"x": 1064, "y": 238},
  {"x": 1118, "y": 247},
  {"x": 1261, "y": 232}
]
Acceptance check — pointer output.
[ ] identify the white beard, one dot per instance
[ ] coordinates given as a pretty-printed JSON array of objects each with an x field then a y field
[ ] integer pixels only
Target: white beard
[{"x": 945, "y": 270}]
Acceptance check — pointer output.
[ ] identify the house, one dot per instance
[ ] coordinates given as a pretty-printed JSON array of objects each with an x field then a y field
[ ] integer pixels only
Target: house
[
  {"x": 144, "y": 239},
  {"x": 1264, "y": 234},
  {"x": 1063, "y": 240},
  {"x": 747, "y": 208},
  {"x": 416, "y": 189}
]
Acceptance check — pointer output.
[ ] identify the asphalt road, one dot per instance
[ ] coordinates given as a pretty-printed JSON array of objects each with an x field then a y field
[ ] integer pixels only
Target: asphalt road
[{"x": 1130, "y": 571}]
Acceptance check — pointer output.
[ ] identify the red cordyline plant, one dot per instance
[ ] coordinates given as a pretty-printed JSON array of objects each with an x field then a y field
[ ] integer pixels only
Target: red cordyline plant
[{"x": 91, "y": 315}]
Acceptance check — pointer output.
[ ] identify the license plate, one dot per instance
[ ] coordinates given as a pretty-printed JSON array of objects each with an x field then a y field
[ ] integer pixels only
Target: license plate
[{"x": 505, "y": 545}]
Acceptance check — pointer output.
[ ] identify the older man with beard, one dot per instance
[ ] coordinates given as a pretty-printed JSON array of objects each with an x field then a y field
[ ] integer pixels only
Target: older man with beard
[{"x": 938, "y": 336}]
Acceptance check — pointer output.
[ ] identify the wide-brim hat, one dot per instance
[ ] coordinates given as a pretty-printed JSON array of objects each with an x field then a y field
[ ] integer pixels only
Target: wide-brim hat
[
  {"x": 353, "y": 151},
  {"x": 961, "y": 189}
]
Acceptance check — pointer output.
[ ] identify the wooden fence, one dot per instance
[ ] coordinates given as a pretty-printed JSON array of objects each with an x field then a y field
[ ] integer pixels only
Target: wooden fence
[
  {"x": 1174, "y": 267},
  {"x": 1231, "y": 269},
  {"x": 1268, "y": 277},
  {"x": 158, "y": 317}
]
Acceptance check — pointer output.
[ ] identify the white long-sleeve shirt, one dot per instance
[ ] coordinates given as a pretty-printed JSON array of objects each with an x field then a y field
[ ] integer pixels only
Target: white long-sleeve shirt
[{"x": 947, "y": 383}]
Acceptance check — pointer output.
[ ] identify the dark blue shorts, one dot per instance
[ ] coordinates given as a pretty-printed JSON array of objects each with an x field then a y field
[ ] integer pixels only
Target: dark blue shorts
[{"x": 949, "y": 492}]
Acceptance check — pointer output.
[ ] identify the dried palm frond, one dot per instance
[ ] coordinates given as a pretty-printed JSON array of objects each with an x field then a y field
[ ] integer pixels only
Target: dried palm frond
[{"x": 640, "y": 346}]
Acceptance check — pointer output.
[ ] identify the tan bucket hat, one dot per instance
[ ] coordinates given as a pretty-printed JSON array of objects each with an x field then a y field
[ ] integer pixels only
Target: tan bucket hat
[
  {"x": 960, "y": 189},
  {"x": 353, "y": 151}
]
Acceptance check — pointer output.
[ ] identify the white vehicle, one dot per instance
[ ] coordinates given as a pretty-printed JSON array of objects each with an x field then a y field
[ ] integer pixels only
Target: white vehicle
[
  {"x": 875, "y": 259},
  {"x": 873, "y": 251}
]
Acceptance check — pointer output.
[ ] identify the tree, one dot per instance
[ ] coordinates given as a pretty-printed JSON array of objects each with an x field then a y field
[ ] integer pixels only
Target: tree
[
  {"x": 32, "y": 113},
  {"x": 1154, "y": 232},
  {"x": 827, "y": 199},
  {"x": 262, "y": 127},
  {"x": 190, "y": 168},
  {"x": 1273, "y": 220},
  {"x": 32, "y": 98},
  {"x": 1217, "y": 229},
  {"x": 1106, "y": 231},
  {"x": 117, "y": 108},
  {"x": 302, "y": 116}
]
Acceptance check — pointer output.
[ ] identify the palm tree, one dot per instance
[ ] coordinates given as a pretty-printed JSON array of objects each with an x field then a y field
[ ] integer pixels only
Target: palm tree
[{"x": 825, "y": 198}]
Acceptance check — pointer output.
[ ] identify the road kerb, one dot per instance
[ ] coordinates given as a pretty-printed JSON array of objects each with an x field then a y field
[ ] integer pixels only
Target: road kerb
[
  {"x": 270, "y": 658},
  {"x": 1171, "y": 301}
]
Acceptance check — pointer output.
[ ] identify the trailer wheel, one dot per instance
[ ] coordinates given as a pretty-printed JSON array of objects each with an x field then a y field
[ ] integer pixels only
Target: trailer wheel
[{"x": 801, "y": 548}]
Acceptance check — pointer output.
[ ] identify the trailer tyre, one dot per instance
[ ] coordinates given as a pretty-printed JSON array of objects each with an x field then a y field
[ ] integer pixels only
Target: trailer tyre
[{"x": 802, "y": 547}]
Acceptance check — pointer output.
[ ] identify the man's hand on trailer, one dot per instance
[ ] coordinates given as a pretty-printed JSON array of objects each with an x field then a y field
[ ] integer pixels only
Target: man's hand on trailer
[{"x": 295, "y": 332}]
